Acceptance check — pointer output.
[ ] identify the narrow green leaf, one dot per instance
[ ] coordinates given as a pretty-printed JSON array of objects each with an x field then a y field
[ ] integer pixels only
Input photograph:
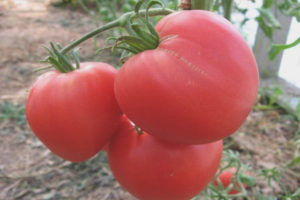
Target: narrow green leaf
[
  {"x": 277, "y": 48},
  {"x": 152, "y": 3},
  {"x": 131, "y": 45},
  {"x": 148, "y": 38},
  {"x": 129, "y": 49},
  {"x": 99, "y": 51},
  {"x": 59, "y": 46},
  {"x": 125, "y": 55},
  {"x": 268, "y": 3},
  {"x": 269, "y": 18},
  {"x": 57, "y": 65},
  {"x": 49, "y": 51},
  {"x": 43, "y": 68},
  {"x": 111, "y": 39},
  {"x": 262, "y": 197},
  {"x": 134, "y": 42},
  {"x": 249, "y": 180},
  {"x": 298, "y": 111},
  {"x": 268, "y": 31},
  {"x": 294, "y": 162},
  {"x": 138, "y": 6},
  {"x": 76, "y": 57},
  {"x": 62, "y": 59},
  {"x": 152, "y": 30}
]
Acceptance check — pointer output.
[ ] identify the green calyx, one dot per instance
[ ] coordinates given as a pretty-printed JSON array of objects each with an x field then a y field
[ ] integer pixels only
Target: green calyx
[
  {"x": 60, "y": 61},
  {"x": 143, "y": 35}
]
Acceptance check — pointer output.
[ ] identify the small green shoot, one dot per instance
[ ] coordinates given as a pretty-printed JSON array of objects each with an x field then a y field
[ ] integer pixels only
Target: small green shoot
[
  {"x": 269, "y": 95},
  {"x": 12, "y": 112},
  {"x": 270, "y": 175}
]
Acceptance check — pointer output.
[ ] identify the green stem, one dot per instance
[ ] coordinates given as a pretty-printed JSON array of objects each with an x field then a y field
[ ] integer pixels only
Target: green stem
[
  {"x": 83, "y": 6},
  {"x": 201, "y": 4},
  {"x": 91, "y": 34},
  {"x": 227, "y": 7},
  {"x": 120, "y": 22}
]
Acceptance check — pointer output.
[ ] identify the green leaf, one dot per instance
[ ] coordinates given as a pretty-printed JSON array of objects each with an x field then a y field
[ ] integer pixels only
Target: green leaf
[
  {"x": 10, "y": 111},
  {"x": 268, "y": 31},
  {"x": 269, "y": 18},
  {"x": 152, "y": 3},
  {"x": 132, "y": 2},
  {"x": 294, "y": 162},
  {"x": 270, "y": 174},
  {"x": 291, "y": 8},
  {"x": 55, "y": 63},
  {"x": 249, "y": 180},
  {"x": 149, "y": 5},
  {"x": 138, "y": 6},
  {"x": 126, "y": 8},
  {"x": 263, "y": 197},
  {"x": 298, "y": 111},
  {"x": 133, "y": 42},
  {"x": 277, "y": 48},
  {"x": 148, "y": 38},
  {"x": 129, "y": 49},
  {"x": 125, "y": 56},
  {"x": 297, "y": 193},
  {"x": 63, "y": 60},
  {"x": 268, "y": 3},
  {"x": 76, "y": 57}
]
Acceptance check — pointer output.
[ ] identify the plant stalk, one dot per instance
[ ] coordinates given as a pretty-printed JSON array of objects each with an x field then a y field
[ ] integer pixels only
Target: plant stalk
[
  {"x": 227, "y": 7},
  {"x": 201, "y": 4},
  {"x": 120, "y": 22}
]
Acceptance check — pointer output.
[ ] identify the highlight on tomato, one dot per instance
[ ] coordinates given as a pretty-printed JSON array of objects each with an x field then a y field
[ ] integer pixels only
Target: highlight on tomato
[
  {"x": 197, "y": 86},
  {"x": 150, "y": 168},
  {"x": 75, "y": 113}
]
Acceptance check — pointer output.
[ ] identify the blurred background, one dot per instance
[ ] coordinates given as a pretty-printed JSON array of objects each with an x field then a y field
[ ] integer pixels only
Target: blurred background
[{"x": 268, "y": 142}]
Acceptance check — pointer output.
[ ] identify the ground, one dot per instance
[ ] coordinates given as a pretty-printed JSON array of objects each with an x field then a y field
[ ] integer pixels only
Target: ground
[{"x": 29, "y": 171}]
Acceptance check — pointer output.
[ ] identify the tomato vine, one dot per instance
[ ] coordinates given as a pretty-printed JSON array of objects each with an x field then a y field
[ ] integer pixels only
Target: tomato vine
[{"x": 164, "y": 91}]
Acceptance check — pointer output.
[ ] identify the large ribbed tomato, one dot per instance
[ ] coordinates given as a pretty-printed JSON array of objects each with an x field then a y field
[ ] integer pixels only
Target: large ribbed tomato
[
  {"x": 198, "y": 86},
  {"x": 74, "y": 114},
  {"x": 152, "y": 169}
]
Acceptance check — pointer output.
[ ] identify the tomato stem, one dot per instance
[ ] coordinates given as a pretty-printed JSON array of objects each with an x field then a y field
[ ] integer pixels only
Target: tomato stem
[
  {"x": 120, "y": 22},
  {"x": 185, "y": 4},
  {"x": 227, "y": 7},
  {"x": 201, "y": 4}
]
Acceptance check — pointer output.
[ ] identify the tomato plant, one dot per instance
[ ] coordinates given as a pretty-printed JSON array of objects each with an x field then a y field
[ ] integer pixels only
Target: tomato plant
[
  {"x": 74, "y": 114},
  {"x": 152, "y": 169},
  {"x": 226, "y": 178},
  {"x": 187, "y": 83},
  {"x": 197, "y": 86}
]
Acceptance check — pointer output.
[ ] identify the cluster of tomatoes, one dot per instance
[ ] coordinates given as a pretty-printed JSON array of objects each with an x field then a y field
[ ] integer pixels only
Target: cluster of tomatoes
[{"x": 162, "y": 116}]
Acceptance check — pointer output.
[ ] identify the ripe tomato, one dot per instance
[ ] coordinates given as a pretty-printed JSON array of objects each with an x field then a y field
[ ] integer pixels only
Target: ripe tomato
[
  {"x": 152, "y": 169},
  {"x": 198, "y": 86},
  {"x": 74, "y": 114},
  {"x": 226, "y": 179}
]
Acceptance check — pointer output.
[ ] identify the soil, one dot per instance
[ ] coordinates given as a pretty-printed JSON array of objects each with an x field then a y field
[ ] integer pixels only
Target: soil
[{"x": 29, "y": 171}]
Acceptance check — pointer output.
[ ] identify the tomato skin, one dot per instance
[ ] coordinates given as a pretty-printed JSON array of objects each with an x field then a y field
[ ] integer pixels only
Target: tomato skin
[
  {"x": 152, "y": 169},
  {"x": 74, "y": 114},
  {"x": 198, "y": 86},
  {"x": 226, "y": 179}
]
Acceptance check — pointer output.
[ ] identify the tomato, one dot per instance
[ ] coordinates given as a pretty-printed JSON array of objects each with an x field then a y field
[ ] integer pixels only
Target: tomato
[
  {"x": 226, "y": 178},
  {"x": 74, "y": 114},
  {"x": 198, "y": 86},
  {"x": 152, "y": 169}
]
